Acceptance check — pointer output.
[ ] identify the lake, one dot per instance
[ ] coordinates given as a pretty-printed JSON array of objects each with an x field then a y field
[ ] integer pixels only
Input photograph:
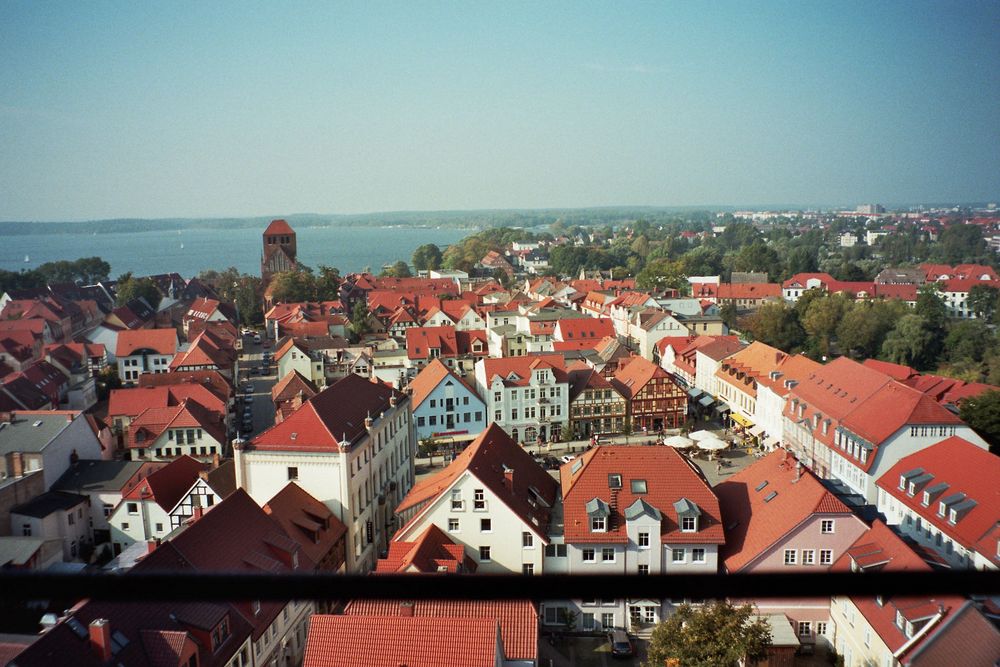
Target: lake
[{"x": 190, "y": 251}]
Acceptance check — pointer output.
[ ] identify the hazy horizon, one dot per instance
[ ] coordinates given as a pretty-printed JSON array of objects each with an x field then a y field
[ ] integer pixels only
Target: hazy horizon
[{"x": 224, "y": 110}]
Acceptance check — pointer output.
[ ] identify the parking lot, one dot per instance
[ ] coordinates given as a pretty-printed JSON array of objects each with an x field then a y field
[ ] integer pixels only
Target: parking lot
[{"x": 586, "y": 652}]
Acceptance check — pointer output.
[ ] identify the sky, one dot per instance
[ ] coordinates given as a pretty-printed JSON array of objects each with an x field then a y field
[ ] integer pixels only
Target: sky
[{"x": 217, "y": 109}]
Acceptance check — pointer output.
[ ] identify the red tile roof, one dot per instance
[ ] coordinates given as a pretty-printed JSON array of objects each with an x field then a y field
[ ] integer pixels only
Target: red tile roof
[
  {"x": 133, "y": 401},
  {"x": 325, "y": 420},
  {"x": 516, "y": 371},
  {"x": 669, "y": 478},
  {"x": 394, "y": 641},
  {"x": 518, "y": 618},
  {"x": 632, "y": 377},
  {"x": 966, "y": 469},
  {"x": 745, "y": 368},
  {"x": 429, "y": 378},
  {"x": 584, "y": 328},
  {"x": 212, "y": 380},
  {"x": 432, "y": 552},
  {"x": 279, "y": 227},
  {"x": 167, "y": 485},
  {"x": 161, "y": 341},
  {"x": 289, "y": 386},
  {"x": 149, "y": 424},
  {"x": 895, "y": 371},
  {"x": 793, "y": 367},
  {"x": 754, "y": 525},
  {"x": 306, "y": 520},
  {"x": 486, "y": 458}
]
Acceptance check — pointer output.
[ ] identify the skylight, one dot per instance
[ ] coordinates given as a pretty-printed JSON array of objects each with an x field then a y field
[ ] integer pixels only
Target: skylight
[
  {"x": 638, "y": 486},
  {"x": 760, "y": 486},
  {"x": 771, "y": 496},
  {"x": 615, "y": 480}
]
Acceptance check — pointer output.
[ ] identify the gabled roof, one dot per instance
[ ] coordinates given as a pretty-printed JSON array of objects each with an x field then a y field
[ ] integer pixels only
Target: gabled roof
[
  {"x": 133, "y": 401},
  {"x": 963, "y": 468},
  {"x": 168, "y": 485},
  {"x": 516, "y": 371},
  {"x": 429, "y": 378},
  {"x": 518, "y": 618},
  {"x": 92, "y": 476},
  {"x": 161, "y": 341},
  {"x": 895, "y": 371},
  {"x": 755, "y": 520},
  {"x": 668, "y": 478},
  {"x": 393, "y": 641},
  {"x": 632, "y": 377},
  {"x": 744, "y": 368},
  {"x": 721, "y": 347},
  {"x": 584, "y": 328},
  {"x": 212, "y": 380},
  {"x": 487, "y": 458},
  {"x": 289, "y": 386},
  {"x": 148, "y": 425},
  {"x": 586, "y": 377},
  {"x": 432, "y": 552},
  {"x": 331, "y": 420}
]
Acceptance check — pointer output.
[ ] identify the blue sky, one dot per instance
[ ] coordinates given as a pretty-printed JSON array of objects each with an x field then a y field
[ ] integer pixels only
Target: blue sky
[{"x": 231, "y": 109}]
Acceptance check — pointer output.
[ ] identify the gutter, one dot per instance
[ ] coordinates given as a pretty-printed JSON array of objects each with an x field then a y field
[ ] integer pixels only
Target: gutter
[
  {"x": 919, "y": 635},
  {"x": 941, "y": 629}
]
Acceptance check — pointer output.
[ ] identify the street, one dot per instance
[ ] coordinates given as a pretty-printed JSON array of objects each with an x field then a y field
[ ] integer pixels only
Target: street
[{"x": 261, "y": 407}]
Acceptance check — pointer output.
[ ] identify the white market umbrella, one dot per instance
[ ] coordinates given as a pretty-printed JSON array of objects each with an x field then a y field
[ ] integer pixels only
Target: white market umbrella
[
  {"x": 713, "y": 444},
  {"x": 678, "y": 442},
  {"x": 701, "y": 435}
]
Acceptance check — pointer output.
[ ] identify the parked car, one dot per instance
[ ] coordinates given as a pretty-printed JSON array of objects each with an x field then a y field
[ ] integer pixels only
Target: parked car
[
  {"x": 621, "y": 645},
  {"x": 248, "y": 388},
  {"x": 248, "y": 398},
  {"x": 566, "y": 458},
  {"x": 256, "y": 338}
]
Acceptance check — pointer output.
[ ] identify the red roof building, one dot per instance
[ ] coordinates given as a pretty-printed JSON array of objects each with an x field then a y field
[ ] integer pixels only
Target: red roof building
[
  {"x": 655, "y": 399},
  {"x": 947, "y": 498},
  {"x": 320, "y": 534},
  {"x": 432, "y": 552}
]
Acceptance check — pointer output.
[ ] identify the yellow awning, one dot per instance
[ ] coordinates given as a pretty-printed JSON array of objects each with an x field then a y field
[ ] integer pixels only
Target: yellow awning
[{"x": 740, "y": 419}]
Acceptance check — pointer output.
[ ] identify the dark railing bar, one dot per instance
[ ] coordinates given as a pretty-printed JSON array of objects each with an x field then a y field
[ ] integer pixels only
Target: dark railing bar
[{"x": 226, "y": 586}]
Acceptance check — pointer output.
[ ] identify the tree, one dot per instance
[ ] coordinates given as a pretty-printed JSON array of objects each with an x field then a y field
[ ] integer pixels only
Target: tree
[
  {"x": 661, "y": 273},
  {"x": 822, "y": 318},
  {"x": 863, "y": 328},
  {"x": 293, "y": 286},
  {"x": 960, "y": 243},
  {"x": 136, "y": 288},
  {"x": 328, "y": 283},
  {"x": 360, "y": 319},
  {"x": 931, "y": 306},
  {"x": 398, "y": 270},
  {"x": 983, "y": 301},
  {"x": 730, "y": 314},
  {"x": 982, "y": 413},
  {"x": 968, "y": 340},
  {"x": 758, "y": 256},
  {"x": 910, "y": 343},
  {"x": 777, "y": 325},
  {"x": 427, "y": 257},
  {"x": 718, "y": 634},
  {"x": 800, "y": 260}
]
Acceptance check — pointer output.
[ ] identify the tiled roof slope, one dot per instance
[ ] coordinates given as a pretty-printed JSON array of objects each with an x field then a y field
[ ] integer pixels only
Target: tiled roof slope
[
  {"x": 306, "y": 520},
  {"x": 168, "y": 485},
  {"x": 966, "y": 469},
  {"x": 325, "y": 420},
  {"x": 395, "y": 641},
  {"x": 753, "y": 524},
  {"x": 162, "y": 341},
  {"x": 522, "y": 367},
  {"x": 428, "y": 378},
  {"x": 486, "y": 459},
  {"x": 432, "y": 552},
  {"x": 633, "y": 376},
  {"x": 518, "y": 618},
  {"x": 669, "y": 477}
]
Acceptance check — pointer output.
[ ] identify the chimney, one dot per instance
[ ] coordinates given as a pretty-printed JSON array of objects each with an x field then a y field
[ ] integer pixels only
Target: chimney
[
  {"x": 6, "y": 417},
  {"x": 406, "y": 609},
  {"x": 216, "y": 460},
  {"x": 152, "y": 544},
  {"x": 100, "y": 638},
  {"x": 392, "y": 400},
  {"x": 508, "y": 478},
  {"x": 198, "y": 512},
  {"x": 16, "y": 464}
]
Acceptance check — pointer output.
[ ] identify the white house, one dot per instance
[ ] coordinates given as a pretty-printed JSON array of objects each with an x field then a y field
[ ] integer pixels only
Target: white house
[
  {"x": 444, "y": 407},
  {"x": 55, "y": 515},
  {"x": 493, "y": 498},
  {"x": 351, "y": 446},
  {"x": 295, "y": 356},
  {"x": 144, "y": 351},
  {"x": 46, "y": 440},
  {"x": 526, "y": 396},
  {"x": 634, "y": 511}
]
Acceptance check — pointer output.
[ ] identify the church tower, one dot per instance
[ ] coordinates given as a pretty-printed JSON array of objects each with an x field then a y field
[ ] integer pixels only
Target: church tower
[{"x": 279, "y": 250}]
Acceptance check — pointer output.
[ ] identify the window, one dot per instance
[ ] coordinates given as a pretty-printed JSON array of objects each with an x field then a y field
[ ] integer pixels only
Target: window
[
  {"x": 643, "y": 540},
  {"x": 588, "y": 555},
  {"x": 159, "y": 527},
  {"x": 597, "y": 524},
  {"x": 70, "y": 518},
  {"x": 689, "y": 524},
  {"x": 643, "y": 569},
  {"x": 826, "y": 526},
  {"x": 697, "y": 555},
  {"x": 255, "y": 606},
  {"x": 452, "y": 525},
  {"x": 554, "y": 615},
  {"x": 555, "y": 550},
  {"x": 826, "y": 556},
  {"x": 527, "y": 540},
  {"x": 528, "y": 568},
  {"x": 486, "y": 525},
  {"x": 677, "y": 555},
  {"x": 484, "y": 554},
  {"x": 608, "y": 554},
  {"x": 293, "y": 473},
  {"x": 479, "y": 500},
  {"x": 791, "y": 556},
  {"x": 821, "y": 627},
  {"x": 132, "y": 508},
  {"x": 26, "y": 529},
  {"x": 805, "y": 628},
  {"x": 456, "y": 500},
  {"x": 808, "y": 556},
  {"x": 125, "y": 526},
  {"x": 607, "y": 621},
  {"x": 638, "y": 486}
]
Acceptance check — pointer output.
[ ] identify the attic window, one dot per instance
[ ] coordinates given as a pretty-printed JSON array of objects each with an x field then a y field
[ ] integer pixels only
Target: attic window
[
  {"x": 638, "y": 486},
  {"x": 771, "y": 496},
  {"x": 614, "y": 481},
  {"x": 575, "y": 468},
  {"x": 760, "y": 486}
]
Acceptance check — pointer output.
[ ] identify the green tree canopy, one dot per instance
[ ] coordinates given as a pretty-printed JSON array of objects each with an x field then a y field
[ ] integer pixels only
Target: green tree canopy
[
  {"x": 958, "y": 244},
  {"x": 982, "y": 413},
  {"x": 776, "y": 324},
  {"x": 135, "y": 288},
  {"x": 662, "y": 273},
  {"x": 427, "y": 257},
  {"x": 983, "y": 301},
  {"x": 863, "y": 328},
  {"x": 822, "y": 317},
  {"x": 968, "y": 340},
  {"x": 910, "y": 343},
  {"x": 398, "y": 270},
  {"x": 718, "y": 634},
  {"x": 293, "y": 286},
  {"x": 360, "y": 319}
]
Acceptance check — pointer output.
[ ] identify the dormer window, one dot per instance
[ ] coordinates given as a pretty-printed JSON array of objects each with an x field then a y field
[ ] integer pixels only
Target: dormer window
[
  {"x": 598, "y": 524},
  {"x": 942, "y": 509},
  {"x": 902, "y": 482},
  {"x": 953, "y": 517},
  {"x": 689, "y": 524},
  {"x": 927, "y": 499},
  {"x": 687, "y": 515},
  {"x": 911, "y": 490}
]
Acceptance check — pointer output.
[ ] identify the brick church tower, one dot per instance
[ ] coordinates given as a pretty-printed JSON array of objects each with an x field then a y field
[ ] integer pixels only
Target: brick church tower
[{"x": 279, "y": 250}]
